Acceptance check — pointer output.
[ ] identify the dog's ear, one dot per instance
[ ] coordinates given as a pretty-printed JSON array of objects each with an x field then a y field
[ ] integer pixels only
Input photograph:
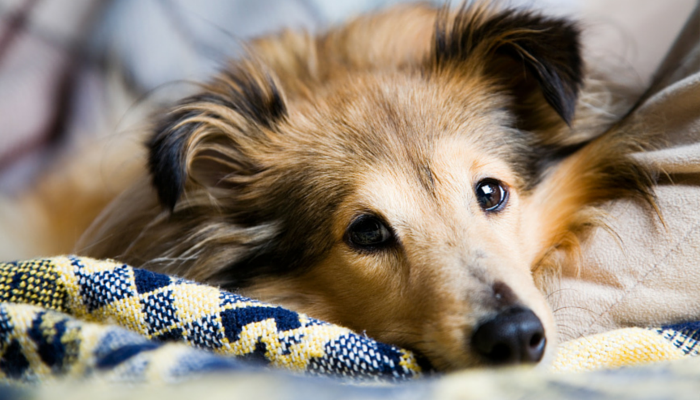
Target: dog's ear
[
  {"x": 207, "y": 139},
  {"x": 536, "y": 58}
]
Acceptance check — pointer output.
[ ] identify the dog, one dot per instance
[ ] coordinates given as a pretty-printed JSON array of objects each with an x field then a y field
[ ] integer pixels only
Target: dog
[{"x": 411, "y": 174}]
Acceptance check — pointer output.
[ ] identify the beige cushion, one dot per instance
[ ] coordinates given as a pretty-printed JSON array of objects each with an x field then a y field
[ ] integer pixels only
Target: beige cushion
[{"x": 648, "y": 274}]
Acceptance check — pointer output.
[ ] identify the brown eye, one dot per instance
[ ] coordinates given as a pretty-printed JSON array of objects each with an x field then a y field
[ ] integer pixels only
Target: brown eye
[
  {"x": 491, "y": 195},
  {"x": 369, "y": 232}
]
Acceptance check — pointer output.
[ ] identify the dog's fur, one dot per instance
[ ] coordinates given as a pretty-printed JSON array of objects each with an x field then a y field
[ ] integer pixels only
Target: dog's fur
[{"x": 253, "y": 183}]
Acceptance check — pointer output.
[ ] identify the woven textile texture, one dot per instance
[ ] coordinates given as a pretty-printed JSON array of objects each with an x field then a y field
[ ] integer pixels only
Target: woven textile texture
[
  {"x": 71, "y": 304},
  {"x": 78, "y": 317}
]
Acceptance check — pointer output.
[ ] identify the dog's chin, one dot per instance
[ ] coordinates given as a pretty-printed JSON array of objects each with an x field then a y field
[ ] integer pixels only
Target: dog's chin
[{"x": 467, "y": 358}]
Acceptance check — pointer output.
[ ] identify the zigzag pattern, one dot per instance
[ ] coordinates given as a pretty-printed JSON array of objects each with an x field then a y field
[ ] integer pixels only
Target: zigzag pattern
[
  {"x": 37, "y": 343},
  {"x": 79, "y": 317}
]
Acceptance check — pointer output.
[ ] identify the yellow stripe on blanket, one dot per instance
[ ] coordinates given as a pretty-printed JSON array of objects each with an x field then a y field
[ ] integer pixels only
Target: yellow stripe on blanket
[{"x": 618, "y": 348}]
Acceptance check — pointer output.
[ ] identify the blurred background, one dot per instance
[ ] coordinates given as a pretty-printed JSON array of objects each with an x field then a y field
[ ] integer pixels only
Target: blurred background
[{"x": 75, "y": 71}]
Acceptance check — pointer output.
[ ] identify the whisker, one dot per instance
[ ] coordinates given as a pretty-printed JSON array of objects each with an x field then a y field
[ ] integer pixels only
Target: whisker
[
  {"x": 559, "y": 291},
  {"x": 398, "y": 332},
  {"x": 574, "y": 307}
]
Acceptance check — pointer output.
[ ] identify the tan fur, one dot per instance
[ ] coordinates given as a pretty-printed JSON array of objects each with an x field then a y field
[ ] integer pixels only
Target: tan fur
[{"x": 374, "y": 124}]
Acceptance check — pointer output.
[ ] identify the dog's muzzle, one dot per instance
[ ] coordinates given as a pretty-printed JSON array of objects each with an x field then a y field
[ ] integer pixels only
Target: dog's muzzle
[{"x": 514, "y": 336}]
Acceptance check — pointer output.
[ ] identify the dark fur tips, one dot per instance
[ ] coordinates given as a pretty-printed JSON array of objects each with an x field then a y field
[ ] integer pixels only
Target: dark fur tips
[
  {"x": 166, "y": 159},
  {"x": 549, "y": 49},
  {"x": 248, "y": 92}
]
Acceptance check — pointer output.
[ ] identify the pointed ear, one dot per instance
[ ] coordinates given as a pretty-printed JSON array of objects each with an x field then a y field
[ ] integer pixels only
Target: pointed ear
[
  {"x": 537, "y": 58},
  {"x": 205, "y": 140}
]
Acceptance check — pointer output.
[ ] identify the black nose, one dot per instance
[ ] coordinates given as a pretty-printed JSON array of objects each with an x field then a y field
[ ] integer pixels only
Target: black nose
[{"x": 514, "y": 336}]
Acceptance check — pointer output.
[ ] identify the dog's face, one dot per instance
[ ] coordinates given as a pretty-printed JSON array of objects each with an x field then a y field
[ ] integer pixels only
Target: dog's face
[
  {"x": 424, "y": 241},
  {"x": 383, "y": 177}
]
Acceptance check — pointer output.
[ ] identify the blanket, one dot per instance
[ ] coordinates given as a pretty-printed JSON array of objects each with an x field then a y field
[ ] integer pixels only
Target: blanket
[
  {"x": 83, "y": 318},
  {"x": 60, "y": 315}
]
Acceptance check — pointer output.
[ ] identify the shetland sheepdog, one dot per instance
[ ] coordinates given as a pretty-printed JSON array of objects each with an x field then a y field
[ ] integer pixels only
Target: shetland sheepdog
[{"x": 415, "y": 174}]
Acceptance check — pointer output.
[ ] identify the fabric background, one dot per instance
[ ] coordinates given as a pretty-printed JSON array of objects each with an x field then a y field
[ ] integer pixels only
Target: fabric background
[
  {"x": 60, "y": 59},
  {"x": 646, "y": 273}
]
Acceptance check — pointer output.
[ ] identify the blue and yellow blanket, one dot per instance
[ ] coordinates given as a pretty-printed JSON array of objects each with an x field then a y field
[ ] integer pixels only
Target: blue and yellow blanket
[{"x": 73, "y": 317}]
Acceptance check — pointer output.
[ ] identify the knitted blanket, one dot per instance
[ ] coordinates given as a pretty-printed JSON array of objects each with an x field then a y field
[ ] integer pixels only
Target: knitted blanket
[{"x": 78, "y": 317}]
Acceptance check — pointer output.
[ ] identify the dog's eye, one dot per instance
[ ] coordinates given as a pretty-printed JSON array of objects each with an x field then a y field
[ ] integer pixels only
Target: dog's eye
[
  {"x": 491, "y": 195},
  {"x": 369, "y": 231}
]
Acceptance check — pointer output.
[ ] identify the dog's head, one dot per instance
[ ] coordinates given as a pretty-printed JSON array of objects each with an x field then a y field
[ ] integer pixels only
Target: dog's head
[{"x": 381, "y": 176}]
